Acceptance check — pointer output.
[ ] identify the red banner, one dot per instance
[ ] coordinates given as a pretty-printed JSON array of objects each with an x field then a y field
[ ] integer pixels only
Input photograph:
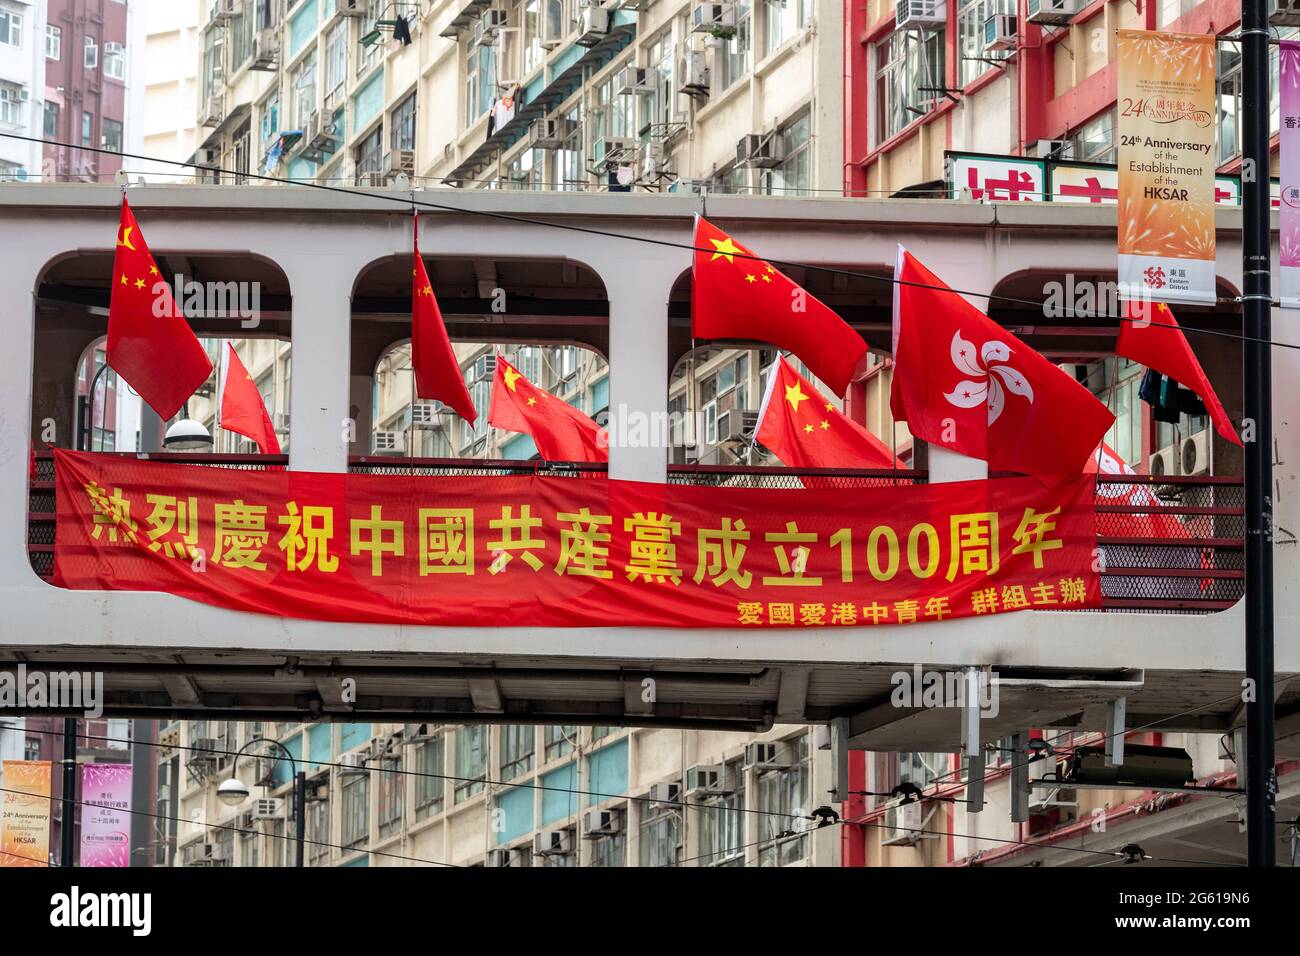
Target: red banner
[{"x": 576, "y": 552}]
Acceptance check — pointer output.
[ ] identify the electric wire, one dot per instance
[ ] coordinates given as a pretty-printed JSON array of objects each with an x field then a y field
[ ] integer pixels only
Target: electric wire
[{"x": 407, "y": 201}]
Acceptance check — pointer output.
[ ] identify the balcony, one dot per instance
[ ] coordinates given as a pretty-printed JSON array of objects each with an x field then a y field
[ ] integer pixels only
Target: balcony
[{"x": 1185, "y": 555}]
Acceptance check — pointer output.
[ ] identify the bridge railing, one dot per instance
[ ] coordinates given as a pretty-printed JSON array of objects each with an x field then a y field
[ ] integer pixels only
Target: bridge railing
[{"x": 1166, "y": 544}]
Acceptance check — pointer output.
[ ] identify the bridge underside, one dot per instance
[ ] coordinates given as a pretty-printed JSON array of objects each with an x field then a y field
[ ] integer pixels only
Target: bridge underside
[{"x": 732, "y": 695}]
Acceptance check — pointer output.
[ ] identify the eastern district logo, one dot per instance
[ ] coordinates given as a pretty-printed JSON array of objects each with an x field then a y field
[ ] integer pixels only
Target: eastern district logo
[{"x": 1155, "y": 277}]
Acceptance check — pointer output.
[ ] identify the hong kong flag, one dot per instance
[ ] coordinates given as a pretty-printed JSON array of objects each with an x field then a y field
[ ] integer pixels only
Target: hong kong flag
[
  {"x": 150, "y": 344},
  {"x": 735, "y": 295},
  {"x": 242, "y": 408},
  {"x": 560, "y": 431},
  {"x": 800, "y": 427},
  {"x": 963, "y": 382},
  {"x": 437, "y": 373},
  {"x": 1150, "y": 335}
]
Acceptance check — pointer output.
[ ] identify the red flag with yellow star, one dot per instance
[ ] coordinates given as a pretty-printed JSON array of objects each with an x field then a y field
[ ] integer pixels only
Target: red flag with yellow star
[
  {"x": 437, "y": 373},
  {"x": 1150, "y": 335},
  {"x": 242, "y": 408},
  {"x": 735, "y": 295},
  {"x": 798, "y": 425},
  {"x": 560, "y": 431},
  {"x": 150, "y": 345}
]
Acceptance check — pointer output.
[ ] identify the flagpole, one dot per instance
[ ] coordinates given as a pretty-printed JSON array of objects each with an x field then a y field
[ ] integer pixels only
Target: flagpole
[{"x": 1257, "y": 298}]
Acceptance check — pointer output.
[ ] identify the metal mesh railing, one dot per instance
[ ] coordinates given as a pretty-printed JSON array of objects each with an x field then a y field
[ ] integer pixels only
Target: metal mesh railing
[{"x": 1167, "y": 544}]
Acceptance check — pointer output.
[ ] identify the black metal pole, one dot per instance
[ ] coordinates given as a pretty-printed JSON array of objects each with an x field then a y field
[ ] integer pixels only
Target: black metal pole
[
  {"x": 1257, "y": 297},
  {"x": 300, "y": 813},
  {"x": 67, "y": 838}
]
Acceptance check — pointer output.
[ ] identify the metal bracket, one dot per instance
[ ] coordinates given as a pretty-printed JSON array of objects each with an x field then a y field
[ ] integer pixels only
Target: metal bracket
[
  {"x": 970, "y": 739},
  {"x": 1115, "y": 711}
]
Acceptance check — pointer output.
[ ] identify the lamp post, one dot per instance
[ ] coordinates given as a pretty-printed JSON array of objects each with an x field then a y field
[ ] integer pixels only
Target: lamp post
[{"x": 234, "y": 791}]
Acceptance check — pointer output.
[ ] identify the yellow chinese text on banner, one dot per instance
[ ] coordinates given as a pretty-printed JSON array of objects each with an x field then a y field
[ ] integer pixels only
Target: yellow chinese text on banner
[{"x": 1166, "y": 166}]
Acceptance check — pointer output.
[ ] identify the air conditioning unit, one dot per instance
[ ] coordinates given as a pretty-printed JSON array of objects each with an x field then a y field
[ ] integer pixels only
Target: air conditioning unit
[
  {"x": 1163, "y": 462},
  {"x": 203, "y": 749},
  {"x": 402, "y": 161},
  {"x": 1000, "y": 32},
  {"x": 654, "y": 162},
  {"x": 610, "y": 152},
  {"x": 493, "y": 21},
  {"x": 1284, "y": 13},
  {"x": 689, "y": 187},
  {"x": 695, "y": 73},
  {"x": 214, "y": 111},
  {"x": 225, "y": 10},
  {"x": 1194, "y": 456},
  {"x": 902, "y": 823},
  {"x": 1054, "y": 149},
  {"x": 353, "y": 8},
  {"x": 503, "y": 857},
  {"x": 198, "y": 854},
  {"x": 268, "y": 808},
  {"x": 681, "y": 455},
  {"x": 920, "y": 14},
  {"x": 707, "y": 780},
  {"x": 551, "y": 132},
  {"x": 760, "y": 149},
  {"x": 321, "y": 134},
  {"x": 553, "y": 843},
  {"x": 24, "y": 95},
  {"x": 599, "y": 823},
  {"x": 266, "y": 51},
  {"x": 593, "y": 25},
  {"x": 425, "y": 415},
  {"x": 388, "y": 441},
  {"x": 1052, "y": 12},
  {"x": 636, "y": 80},
  {"x": 418, "y": 734},
  {"x": 664, "y": 793},
  {"x": 708, "y": 17},
  {"x": 355, "y": 761},
  {"x": 766, "y": 756}
]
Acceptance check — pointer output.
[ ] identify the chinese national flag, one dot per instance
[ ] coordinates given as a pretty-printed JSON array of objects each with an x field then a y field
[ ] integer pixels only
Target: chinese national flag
[
  {"x": 560, "y": 431},
  {"x": 437, "y": 373},
  {"x": 733, "y": 297},
  {"x": 804, "y": 430},
  {"x": 963, "y": 382},
  {"x": 242, "y": 408},
  {"x": 1150, "y": 335},
  {"x": 150, "y": 344}
]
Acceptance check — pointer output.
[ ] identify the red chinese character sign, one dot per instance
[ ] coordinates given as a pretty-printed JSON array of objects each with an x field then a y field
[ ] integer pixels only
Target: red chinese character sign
[{"x": 571, "y": 552}]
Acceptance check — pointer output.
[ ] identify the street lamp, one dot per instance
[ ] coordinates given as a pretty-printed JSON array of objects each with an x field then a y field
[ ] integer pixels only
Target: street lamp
[
  {"x": 234, "y": 791},
  {"x": 187, "y": 435}
]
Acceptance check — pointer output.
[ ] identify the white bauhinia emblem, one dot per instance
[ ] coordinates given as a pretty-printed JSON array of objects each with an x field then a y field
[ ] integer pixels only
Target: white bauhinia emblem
[{"x": 989, "y": 375}]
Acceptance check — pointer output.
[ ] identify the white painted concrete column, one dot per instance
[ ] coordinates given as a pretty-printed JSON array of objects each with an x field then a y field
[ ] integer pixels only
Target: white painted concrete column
[
  {"x": 946, "y": 465},
  {"x": 638, "y": 287},
  {"x": 321, "y": 286}
]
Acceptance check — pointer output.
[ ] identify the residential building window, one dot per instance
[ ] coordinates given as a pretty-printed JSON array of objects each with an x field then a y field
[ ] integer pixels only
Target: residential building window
[
  {"x": 11, "y": 27},
  {"x": 785, "y": 18},
  {"x": 660, "y": 106},
  {"x": 1094, "y": 142},
  {"x": 735, "y": 51},
  {"x": 305, "y": 100},
  {"x": 525, "y": 172},
  {"x": 727, "y": 390},
  {"x": 783, "y": 802},
  {"x": 734, "y": 180},
  {"x": 87, "y": 122},
  {"x": 921, "y": 769},
  {"x": 909, "y": 68},
  {"x": 91, "y": 53},
  {"x": 478, "y": 379},
  {"x": 570, "y": 170},
  {"x": 110, "y": 136},
  {"x": 558, "y": 738},
  {"x": 660, "y": 835},
  {"x": 972, "y": 61},
  {"x": 517, "y": 745},
  {"x": 11, "y": 107},
  {"x": 531, "y": 50},
  {"x": 471, "y": 760},
  {"x": 213, "y": 66},
  {"x": 615, "y": 112},
  {"x": 794, "y": 176},
  {"x": 599, "y": 733},
  {"x": 270, "y": 113},
  {"x": 241, "y": 40},
  {"x": 114, "y": 61},
  {"x": 429, "y": 757},
  {"x": 248, "y": 846},
  {"x": 403, "y": 123},
  {"x": 391, "y": 783},
  {"x": 32, "y": 748},
  {"x": 336, "y": 59},
  {"x": 369, "y": 24},
  {"x": 608, "y": 850},
  {"x": 356, "y": 808},
  {"x": 722, "y": 822},
  {"x": 53, "y": 42},
  {"x": 480, "y": 82},
  {"x": 318, "y": 831},
  {"x": 1229, "y": 85}
]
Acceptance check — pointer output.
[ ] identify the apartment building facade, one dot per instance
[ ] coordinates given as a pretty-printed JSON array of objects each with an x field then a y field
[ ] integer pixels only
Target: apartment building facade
[
  {"x": 22, "y": 83},
  {"x": 497, "y": 795}
]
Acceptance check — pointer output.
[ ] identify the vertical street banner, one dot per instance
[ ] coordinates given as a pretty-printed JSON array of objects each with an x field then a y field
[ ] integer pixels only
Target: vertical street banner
[
  {"x": 25, "y": 813},
  {"x": 1166, "y": 166},
  {"x": 1289, "y": 160},
  {"x": 105, "y": 811}
]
